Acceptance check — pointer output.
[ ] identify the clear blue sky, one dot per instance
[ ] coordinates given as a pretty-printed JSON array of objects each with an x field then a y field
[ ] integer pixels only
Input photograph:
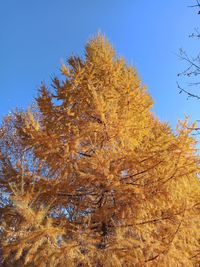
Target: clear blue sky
[{"x": 36, "y": 36}]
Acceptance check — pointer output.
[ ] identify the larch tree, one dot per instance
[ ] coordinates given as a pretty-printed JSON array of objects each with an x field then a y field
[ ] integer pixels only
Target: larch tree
[{"x": 90, "y": 177}]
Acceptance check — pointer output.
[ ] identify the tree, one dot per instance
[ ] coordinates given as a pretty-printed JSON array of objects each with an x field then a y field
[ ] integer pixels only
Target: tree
[
  {"x": 191, "y": 71},
  {"x": 90, "y": 177}
]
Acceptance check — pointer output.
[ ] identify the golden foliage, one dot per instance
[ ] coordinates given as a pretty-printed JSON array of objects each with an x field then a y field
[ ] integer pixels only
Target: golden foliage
[{"x": 89, "y": 176}]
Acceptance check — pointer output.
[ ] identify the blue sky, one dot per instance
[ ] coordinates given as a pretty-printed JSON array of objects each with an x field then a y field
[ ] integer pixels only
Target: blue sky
[{"x": 36, "y": 36}]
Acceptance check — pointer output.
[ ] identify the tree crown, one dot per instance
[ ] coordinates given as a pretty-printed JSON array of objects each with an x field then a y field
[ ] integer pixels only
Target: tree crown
[{"x": 90, "y": 177}]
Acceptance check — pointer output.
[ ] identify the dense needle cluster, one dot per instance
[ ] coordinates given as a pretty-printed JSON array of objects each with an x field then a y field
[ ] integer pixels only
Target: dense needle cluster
[{"x": 90, "y": 177}]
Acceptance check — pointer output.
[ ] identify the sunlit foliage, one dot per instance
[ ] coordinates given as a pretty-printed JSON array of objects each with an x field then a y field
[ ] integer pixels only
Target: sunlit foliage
[{"x": 90, "y": 177}]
